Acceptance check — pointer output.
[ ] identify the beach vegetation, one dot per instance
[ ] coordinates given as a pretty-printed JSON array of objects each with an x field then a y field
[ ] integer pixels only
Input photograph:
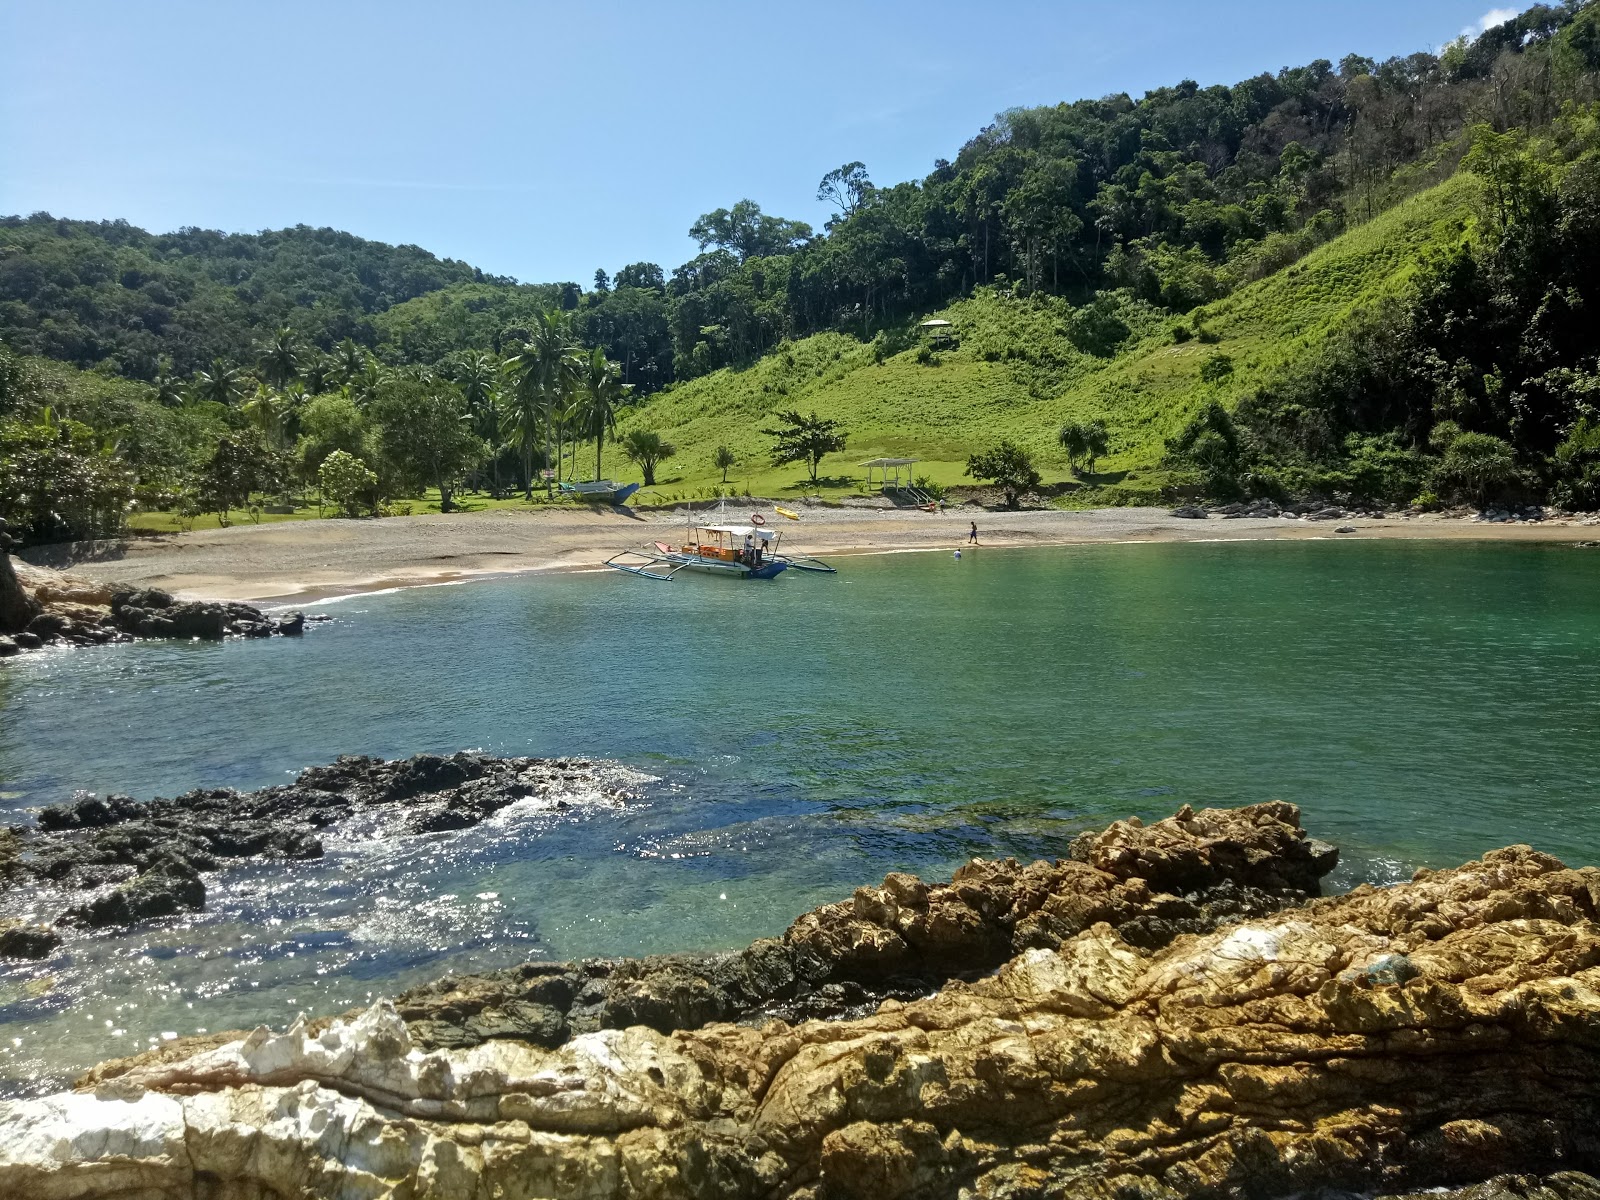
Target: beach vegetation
[
  {"x": 647, "y": 450},
  {"x": 804, "y": 439},
  {"x": 1008, "y": 467},
  {"x": 348, "y": 483}
]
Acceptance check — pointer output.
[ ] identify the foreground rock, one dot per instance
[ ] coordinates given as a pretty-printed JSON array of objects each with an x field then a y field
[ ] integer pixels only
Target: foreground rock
[
  {"x": 1442, "y": 1033},
  {"x": 906, "y": 938},
  {"x": 127, "y": 861}
]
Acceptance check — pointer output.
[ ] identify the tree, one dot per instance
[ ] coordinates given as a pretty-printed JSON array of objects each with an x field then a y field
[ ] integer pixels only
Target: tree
[
  {"x": 1008, "y": 466},
  {"x": 748, "y": 232},
  {"x": 846, "y": 188},
  {"x": 240, "y": 464},
  {"x": 349, "y": 360},
  {"x": 425, "y": 434},
  {"x": 168, "y": 387},
  {"x": 280, "y": 358},
  {"x": 1515, "y": 183},
  {"x": 542, "y": 372},
  {"x": 603, "y": 392},
  {"x": 647, "y": 449},
  {"x": 60, "y": 482},
  {"x": 478, "y": 376},
  {"x": 328, "y": 424},
  {"x": 347, "y": 481},
  {"x": 1477, "y": 467},
  {"x": 602, "y": 281},
  {"x": 1084, "y": 441},
  {"x": 805, "y": 439},
  {"x": 724, "y": 461},
  {"x": 644, "y": 275},
  {"x": 1216, "y": 369},
  {"x": 222, "y": 384}
]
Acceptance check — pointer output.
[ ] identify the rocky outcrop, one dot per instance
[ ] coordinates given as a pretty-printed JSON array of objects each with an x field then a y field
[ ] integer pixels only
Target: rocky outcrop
[
  {"x": 45, "y": 608},
  {"x": 150, "y": 613},
  {"x": 125, "y": 861},
  {"x": 1441, "y": 1033},
  {"x": 906, "y": 938},
  {"x": 17, "y": 606}
]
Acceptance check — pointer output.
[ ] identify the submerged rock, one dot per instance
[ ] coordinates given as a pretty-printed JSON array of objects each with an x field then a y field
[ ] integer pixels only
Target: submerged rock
[
  {"x": 135, "y": 860},
  {"x": 20, "y": 940},
  {"x": 1261, "y": 1059}
]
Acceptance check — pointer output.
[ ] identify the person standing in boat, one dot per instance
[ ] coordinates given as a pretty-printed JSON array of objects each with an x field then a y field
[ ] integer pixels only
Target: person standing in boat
[{"x": 750, "y": 549}]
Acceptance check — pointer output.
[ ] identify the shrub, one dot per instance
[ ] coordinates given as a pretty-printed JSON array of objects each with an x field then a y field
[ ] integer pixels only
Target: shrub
[{"x": 1477, "y": 468}]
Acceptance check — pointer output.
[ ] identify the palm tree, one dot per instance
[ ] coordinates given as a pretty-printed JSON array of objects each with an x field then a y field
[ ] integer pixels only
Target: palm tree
[
  {"x": 479, "y": 380},
  {"x": 647, "y": 448},
  {"x": 280, "y": 358},
  {"x": 521, "y": 408},
  {"x": 349, "y": 361},
  {"x": 169, "y": 389},
  {"x": 267, "y": 410},
  {"x": 603, "y": 393},
  {"x": 223, "y": 384},
  {"x": 724, "y": 461},
  {"x": 543, "y": 372},
  {"x": 371, "y": 377}
]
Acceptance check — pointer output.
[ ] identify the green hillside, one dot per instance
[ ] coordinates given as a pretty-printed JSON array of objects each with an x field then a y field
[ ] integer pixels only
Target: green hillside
[{"x": 1017, "y": 373}]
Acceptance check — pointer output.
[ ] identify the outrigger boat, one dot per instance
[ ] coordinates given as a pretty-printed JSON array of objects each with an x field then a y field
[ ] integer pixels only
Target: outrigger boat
[
  {"x": 743, "y": 551},
  {"x": 601, "y": 491}
]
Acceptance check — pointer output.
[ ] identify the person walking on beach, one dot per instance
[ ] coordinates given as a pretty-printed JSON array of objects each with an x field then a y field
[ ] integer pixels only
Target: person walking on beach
[{"x": 972, "y": 538}]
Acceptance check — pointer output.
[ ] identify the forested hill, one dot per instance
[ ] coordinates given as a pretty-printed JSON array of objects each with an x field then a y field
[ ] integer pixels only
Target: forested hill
[
  {"x": 1175, "y": 199},
  {"x": 107, "y": 294},
  {"x": 1364, "y": 281}
]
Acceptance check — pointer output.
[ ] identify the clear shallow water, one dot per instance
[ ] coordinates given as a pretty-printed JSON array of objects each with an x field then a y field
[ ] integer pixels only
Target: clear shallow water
[{"x": 1422, "y": 703}]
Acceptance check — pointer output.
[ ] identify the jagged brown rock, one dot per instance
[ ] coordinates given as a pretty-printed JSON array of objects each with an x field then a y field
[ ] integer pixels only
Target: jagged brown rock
[
  {"x": 906, "y": 938},
  {"x": 17, "y": 605},
  {"x": 1445, "y": 1032}
]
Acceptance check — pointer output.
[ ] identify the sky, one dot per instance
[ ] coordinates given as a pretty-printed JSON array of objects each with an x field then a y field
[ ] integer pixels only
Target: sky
[{"x": 545, "y": 140}]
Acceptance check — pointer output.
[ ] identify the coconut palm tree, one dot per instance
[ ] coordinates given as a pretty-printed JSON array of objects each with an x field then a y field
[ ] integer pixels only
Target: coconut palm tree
[
  {"x": 603, "y": 392},
  {"x": 280, "y": 358},
  {"x": 478, "y": 376},
  {"x": 222, "y": 384},
  {"x": 169, "y": 388},
  {"x": 543, "y": 372},
  {"x": 349, "y": 360}
]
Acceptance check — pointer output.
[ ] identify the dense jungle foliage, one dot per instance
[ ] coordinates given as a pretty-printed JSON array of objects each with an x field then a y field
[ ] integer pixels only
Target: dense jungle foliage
[{"x": 1070, "y": 242}]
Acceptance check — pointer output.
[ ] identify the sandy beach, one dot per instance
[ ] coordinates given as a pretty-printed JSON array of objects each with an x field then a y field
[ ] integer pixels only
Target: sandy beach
[{"x": 310, "y": 560}]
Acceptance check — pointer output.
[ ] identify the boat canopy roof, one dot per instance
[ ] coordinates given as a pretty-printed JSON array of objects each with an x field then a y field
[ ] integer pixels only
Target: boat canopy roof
[{"x": 739, "y": 531}]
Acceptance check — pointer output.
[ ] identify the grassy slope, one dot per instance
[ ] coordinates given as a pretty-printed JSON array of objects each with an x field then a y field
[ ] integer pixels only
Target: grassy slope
[{"x": 1017, "y": 376}]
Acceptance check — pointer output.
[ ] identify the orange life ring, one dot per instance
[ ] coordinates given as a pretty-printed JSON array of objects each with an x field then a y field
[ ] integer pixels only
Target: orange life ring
[{"x": 757, "y": 519}]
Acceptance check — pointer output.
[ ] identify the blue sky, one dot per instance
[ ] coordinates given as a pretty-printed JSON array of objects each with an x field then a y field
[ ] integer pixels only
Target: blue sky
[{"x": 543, "y": 140}]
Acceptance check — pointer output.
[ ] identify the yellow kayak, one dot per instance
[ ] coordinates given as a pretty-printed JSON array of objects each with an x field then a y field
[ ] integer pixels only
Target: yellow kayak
[{"x": 786, "y": 512}]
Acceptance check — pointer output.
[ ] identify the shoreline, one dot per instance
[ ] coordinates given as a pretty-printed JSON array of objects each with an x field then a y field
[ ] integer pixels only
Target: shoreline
[{"x": 306, "y": 562}]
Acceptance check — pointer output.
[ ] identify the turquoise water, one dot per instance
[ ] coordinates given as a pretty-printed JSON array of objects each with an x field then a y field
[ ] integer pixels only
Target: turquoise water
[{"x": 1422, "y": 703}]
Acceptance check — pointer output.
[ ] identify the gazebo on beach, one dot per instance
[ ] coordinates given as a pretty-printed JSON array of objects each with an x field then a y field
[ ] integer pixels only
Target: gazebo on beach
[{"x": 888, "y": 472}]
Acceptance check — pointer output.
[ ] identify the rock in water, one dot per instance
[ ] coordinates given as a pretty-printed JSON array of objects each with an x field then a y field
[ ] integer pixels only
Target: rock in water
[
  {"x": 907, "y": 938},
  {"x": 18, "y": 940},
  {"x": 1261, "y": 1059},
  {"x": 17, "y": 606},
  {"x": 151, "y": 854}
]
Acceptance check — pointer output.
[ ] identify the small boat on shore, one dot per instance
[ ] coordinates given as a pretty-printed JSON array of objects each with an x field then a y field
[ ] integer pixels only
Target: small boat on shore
[
  {"x": 742, "y": 551},
  {"x": 601, "y": 491}
]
